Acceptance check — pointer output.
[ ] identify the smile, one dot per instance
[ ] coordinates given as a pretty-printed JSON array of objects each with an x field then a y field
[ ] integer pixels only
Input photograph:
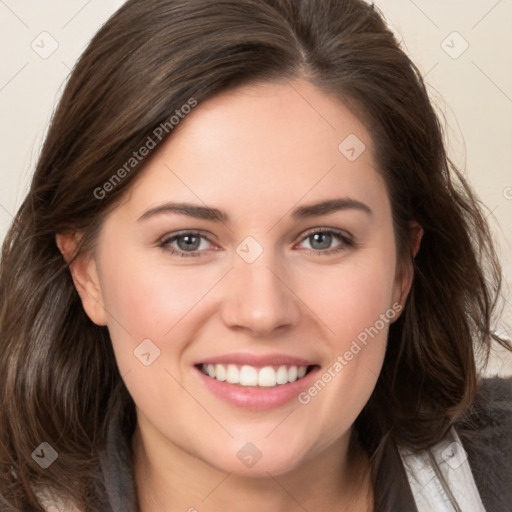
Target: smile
[
  {"x": 246, "y": 375},
  {"x": 256, "y": 381}
]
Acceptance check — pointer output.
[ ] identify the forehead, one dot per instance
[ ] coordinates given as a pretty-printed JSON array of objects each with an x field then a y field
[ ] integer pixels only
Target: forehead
[{"x": 262, "y": 145}]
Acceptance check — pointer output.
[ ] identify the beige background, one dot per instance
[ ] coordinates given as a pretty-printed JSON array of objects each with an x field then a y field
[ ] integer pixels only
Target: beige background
[{"x": 464, "y": 47}]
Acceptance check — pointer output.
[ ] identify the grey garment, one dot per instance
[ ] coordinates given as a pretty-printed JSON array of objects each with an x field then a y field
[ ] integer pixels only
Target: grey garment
[
  {"x": 486, "y": 434},
  {"x": 441, "y": 478},
  {"x": 115, "y": 480},
  {"x": 485, "y": 431},
  {"x": 116, "y": 468},
  {"x": 478, "y": 451}
]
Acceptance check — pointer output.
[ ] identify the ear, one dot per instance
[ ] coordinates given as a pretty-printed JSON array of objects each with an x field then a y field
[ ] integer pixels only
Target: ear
[
  {"x": 405, "y": 273},
  {"x": 84, "y": 272}
]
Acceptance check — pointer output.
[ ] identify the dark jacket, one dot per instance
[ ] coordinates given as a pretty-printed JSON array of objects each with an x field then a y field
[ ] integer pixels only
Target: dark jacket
[{"x": 486, "y": 433}]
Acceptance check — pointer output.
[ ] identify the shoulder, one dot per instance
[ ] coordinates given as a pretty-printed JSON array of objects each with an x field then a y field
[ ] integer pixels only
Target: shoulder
[
  {"x": 485, "y": 430},
  {"x": 486, "y": 426}
]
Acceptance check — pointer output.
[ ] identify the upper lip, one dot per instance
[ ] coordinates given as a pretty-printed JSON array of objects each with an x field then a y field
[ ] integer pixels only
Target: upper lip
[{"x": 257, "y": 360}]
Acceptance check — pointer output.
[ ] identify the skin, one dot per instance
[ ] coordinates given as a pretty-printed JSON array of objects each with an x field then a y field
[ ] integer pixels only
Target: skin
[{"x": 256, "y": 153}]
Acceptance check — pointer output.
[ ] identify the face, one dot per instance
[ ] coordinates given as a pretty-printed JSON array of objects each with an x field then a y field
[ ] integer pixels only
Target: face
[{"x": 256, "y": 247}]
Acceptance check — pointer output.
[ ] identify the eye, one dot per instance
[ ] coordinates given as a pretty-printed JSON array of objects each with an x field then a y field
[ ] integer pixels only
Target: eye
[
  {"x": 326, "y": 241},
  {"x": 319, "y": 241},
  {"x": 186, "y": 243}
]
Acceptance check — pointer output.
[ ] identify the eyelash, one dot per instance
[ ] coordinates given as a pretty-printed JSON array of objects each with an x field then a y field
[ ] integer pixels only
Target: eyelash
[{"x": 347, "y": 242}]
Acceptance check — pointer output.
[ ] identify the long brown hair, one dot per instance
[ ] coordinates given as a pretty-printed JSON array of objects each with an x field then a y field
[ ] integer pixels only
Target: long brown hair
[{"x": 59, "y": 382}]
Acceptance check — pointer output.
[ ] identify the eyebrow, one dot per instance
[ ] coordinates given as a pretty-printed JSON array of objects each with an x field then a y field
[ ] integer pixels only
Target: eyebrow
[{"x": 216, "y": 215}]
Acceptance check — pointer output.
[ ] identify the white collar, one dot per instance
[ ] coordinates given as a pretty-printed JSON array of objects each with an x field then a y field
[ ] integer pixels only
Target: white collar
[{"x": 446, "y": 461}]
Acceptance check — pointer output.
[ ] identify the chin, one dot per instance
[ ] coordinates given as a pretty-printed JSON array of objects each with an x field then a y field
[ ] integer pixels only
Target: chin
[{"x": 257, "y": 459}]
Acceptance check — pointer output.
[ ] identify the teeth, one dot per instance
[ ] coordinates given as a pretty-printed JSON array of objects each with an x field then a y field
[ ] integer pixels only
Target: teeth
[
  {"x": 268, "y": 376},
  {"x": 282, "y": 375},
  {"x": 219, "y": 373},
  {"x": 232, "y": 374}
]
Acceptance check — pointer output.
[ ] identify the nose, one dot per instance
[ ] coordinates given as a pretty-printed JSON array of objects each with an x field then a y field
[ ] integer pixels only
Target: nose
[{"x": 258, "y": 299}]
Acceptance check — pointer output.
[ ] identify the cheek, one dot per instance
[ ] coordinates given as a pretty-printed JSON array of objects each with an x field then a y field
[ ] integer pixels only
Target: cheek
[
  {"x": 149, "y": 301},
  {"x": 351, "y": 296},
  {"x": 355, "y": 304},
  {"x": 153, "y": 310}
]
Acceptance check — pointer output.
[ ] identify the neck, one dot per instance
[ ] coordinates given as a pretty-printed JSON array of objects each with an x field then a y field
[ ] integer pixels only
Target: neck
[{"x": 167, "y": 478}]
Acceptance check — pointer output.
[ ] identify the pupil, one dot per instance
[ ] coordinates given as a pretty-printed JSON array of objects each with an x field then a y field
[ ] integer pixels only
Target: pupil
[
  {"x": 188, "y": 242},
  {"x": 321, "y": 240}
]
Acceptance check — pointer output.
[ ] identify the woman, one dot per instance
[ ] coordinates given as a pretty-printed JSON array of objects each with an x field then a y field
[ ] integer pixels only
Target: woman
[{"x": 247, "y": 275}]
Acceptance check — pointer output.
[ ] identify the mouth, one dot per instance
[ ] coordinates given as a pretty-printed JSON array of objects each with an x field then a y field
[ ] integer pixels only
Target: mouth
[
  {"x": 256, "y": 381},
  {"x": 270, "y": 376}
]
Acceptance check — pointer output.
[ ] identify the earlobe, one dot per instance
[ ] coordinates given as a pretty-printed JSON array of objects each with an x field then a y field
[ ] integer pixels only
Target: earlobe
[{"x": 84, "y": 273}]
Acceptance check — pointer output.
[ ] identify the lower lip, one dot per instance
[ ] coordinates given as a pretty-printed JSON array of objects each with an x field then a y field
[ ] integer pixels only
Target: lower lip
[{"x": 258, "y": 398}]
